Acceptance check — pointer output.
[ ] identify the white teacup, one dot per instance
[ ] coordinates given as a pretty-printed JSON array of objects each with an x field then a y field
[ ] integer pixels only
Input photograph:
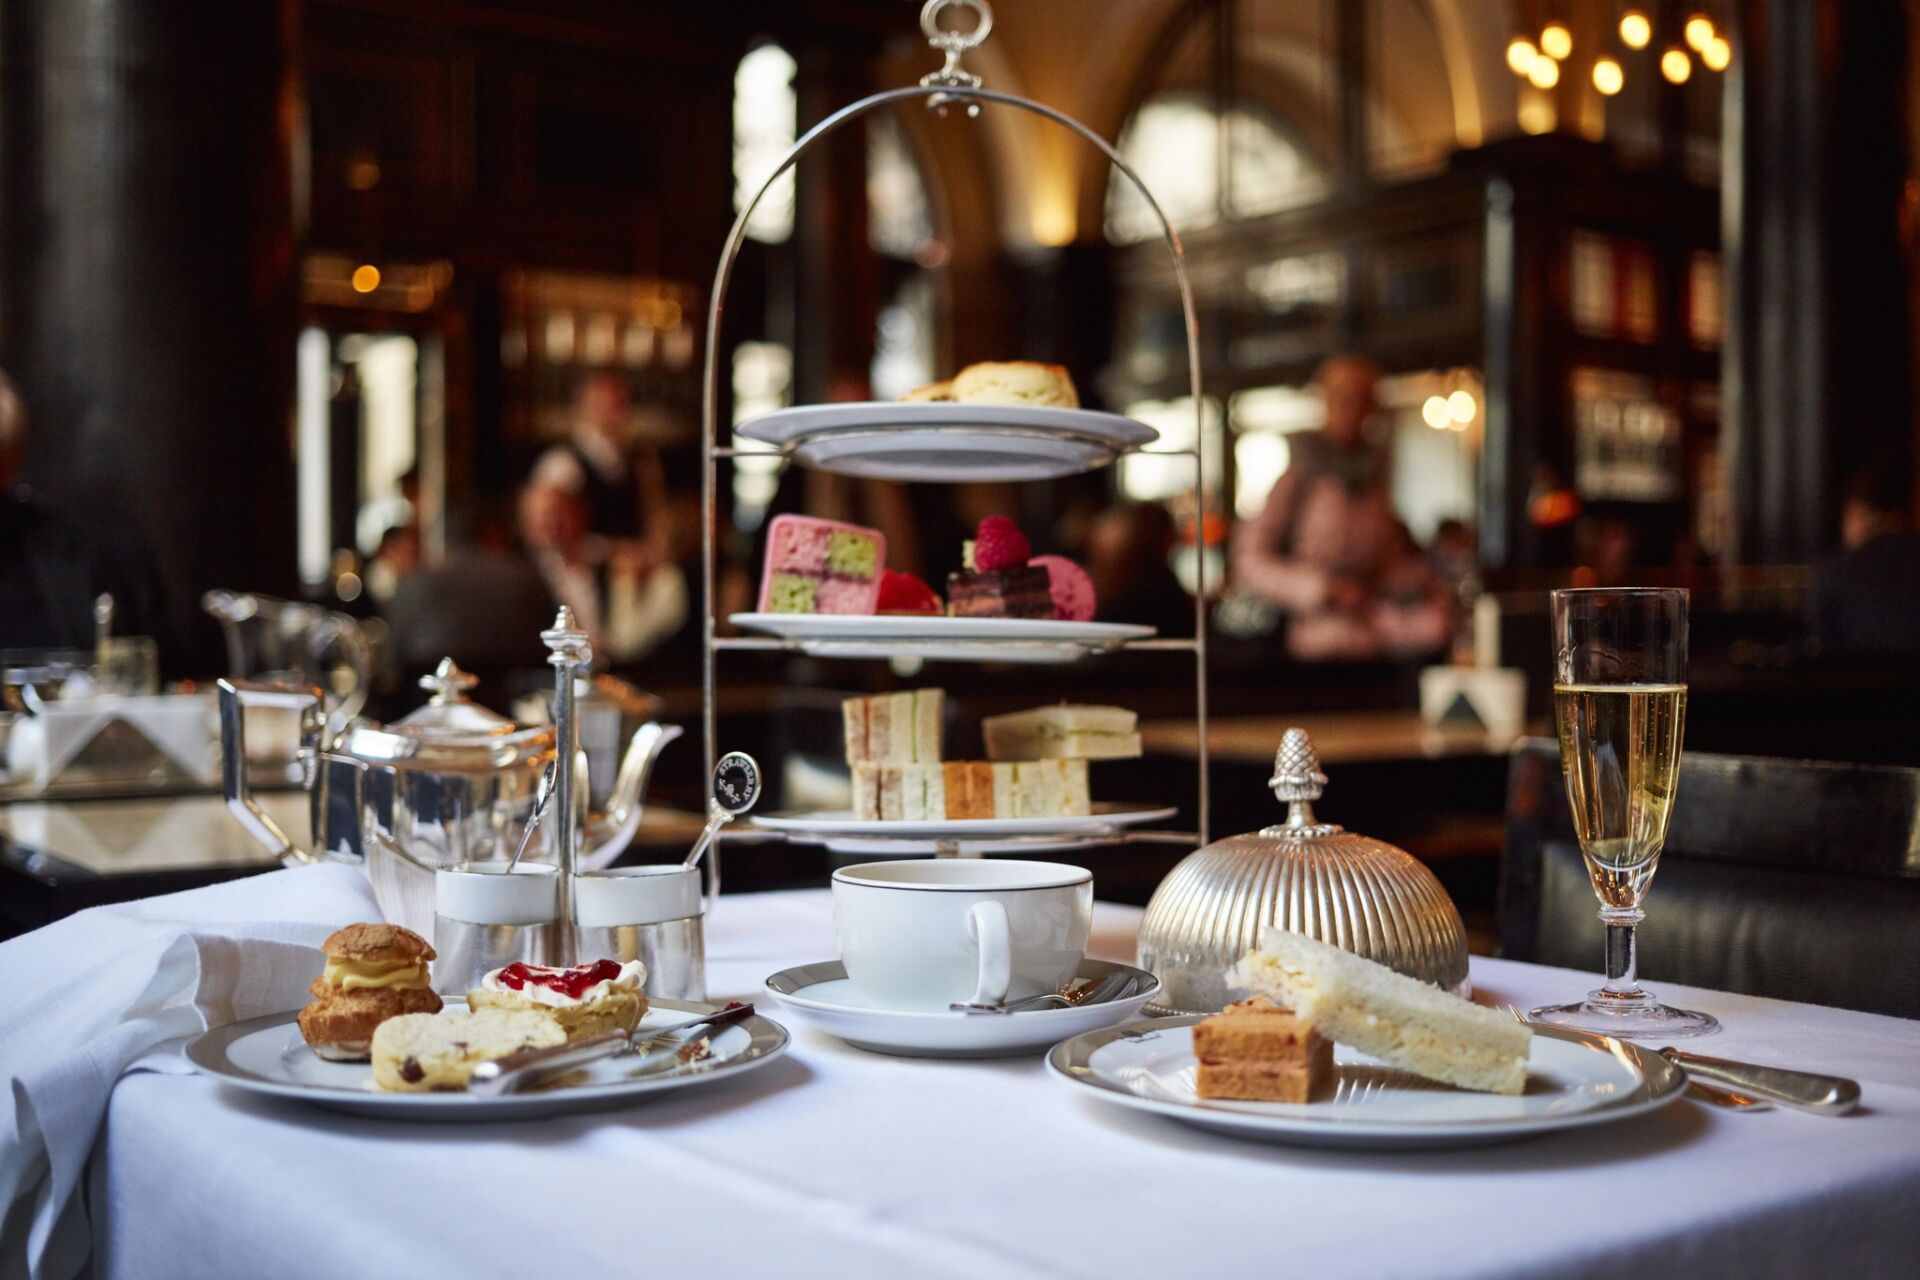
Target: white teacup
[{"x": 921, "y": 935}]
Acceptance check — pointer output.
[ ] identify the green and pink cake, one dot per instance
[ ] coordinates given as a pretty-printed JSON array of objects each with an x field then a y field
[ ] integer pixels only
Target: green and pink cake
[{"x": 821, "y": 566}]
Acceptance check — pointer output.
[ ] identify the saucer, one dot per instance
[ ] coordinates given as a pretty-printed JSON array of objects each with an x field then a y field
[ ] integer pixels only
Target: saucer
[{"x": 822, "y": 995}]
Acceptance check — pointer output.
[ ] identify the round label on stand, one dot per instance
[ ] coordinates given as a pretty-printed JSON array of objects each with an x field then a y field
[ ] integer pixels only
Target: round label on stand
[{"x": 736, "y": 782}]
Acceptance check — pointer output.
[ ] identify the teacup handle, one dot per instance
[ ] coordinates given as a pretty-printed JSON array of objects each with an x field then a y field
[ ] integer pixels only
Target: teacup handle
[{"x": 987, "y": 925}]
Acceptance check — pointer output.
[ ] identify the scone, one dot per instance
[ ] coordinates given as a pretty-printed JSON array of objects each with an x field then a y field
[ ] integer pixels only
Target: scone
[
  {"x": 374, "y": 972},
  {"x": 437, "y": 1052},
  {"x": 932, "y": 393},
  {"x": 1017, "y": 382},
  {"x": 587, "y": 1000}
]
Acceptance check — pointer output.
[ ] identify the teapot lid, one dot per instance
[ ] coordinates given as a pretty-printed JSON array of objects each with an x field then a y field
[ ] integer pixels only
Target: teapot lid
[{"x": 448, "y": 714}]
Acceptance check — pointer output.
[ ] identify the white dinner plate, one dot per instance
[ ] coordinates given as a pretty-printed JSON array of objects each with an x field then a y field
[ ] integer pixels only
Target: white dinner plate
[
  {"x": 1107, "y": 818},
  {"x": 1574, "y": 1079},
  {"x": 931, "y": 626},
  {"x": 268, "y": 1055},
  {"x": 821, "y": 994},
  {"x": 937, "y": 638},
  {"x": 947, "y": 442}
]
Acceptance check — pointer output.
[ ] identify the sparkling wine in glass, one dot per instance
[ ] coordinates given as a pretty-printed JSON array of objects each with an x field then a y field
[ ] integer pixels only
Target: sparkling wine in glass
[{"x": 1620, "y": 702}]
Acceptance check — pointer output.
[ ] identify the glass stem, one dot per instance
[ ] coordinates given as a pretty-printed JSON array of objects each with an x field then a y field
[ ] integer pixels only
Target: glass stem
[{"x": 1623, "y": 958}]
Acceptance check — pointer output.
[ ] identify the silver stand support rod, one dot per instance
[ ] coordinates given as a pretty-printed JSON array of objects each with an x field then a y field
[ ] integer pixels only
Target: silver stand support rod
[{"x": 569, "y": 653}]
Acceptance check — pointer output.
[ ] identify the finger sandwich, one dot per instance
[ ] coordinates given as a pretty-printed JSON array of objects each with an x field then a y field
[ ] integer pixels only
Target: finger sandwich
[
  {"x": 894, "y": 728},
  {"x": 1399, "y": 1020},
  {"x": 1065, "y": 731}
]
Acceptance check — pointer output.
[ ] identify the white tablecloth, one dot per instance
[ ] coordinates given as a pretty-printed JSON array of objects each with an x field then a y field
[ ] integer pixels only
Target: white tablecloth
[{"x": 838, "y": 1163}]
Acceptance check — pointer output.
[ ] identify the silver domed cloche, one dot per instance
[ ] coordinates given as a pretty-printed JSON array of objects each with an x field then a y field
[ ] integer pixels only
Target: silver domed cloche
[{"x": 1312, "y": 877}]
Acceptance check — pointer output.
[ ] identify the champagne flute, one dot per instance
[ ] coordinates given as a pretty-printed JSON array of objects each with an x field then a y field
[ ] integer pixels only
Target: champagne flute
[{"x": 1620, "y": 701}]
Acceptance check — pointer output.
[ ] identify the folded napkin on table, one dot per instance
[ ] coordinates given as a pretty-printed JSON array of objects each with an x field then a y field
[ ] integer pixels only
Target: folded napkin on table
[{"x": 86, "y": 998}]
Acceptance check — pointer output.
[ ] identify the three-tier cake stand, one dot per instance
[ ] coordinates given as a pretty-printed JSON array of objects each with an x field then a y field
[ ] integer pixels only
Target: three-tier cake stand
[{"x": 948, "y": 443}]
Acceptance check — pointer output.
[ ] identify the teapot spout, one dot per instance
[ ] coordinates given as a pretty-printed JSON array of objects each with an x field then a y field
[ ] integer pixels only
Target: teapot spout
[{"x": 614, "y": 830}]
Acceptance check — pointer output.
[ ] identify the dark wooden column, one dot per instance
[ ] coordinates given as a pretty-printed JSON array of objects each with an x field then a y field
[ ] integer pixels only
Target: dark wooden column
[
  {"x": 147, "y": 255},
  {"x": 1817, "y": 380}
]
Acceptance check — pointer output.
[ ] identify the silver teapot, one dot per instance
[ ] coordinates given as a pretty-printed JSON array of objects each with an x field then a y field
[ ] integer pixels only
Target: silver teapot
[{"x": 451, "y": 784}]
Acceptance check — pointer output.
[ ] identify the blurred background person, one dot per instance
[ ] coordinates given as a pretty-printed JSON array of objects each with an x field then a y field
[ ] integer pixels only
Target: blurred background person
[
  {"x": 1327, "y": 549},
  {"x": 1866, "y": 601},
  {"x": 54, "y": 564},
  {"x": 627, "y": 598},
  {"x": 620, "y": 480}
]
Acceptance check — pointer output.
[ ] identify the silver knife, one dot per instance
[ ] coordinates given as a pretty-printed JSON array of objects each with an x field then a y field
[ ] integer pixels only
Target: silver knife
[
  {"x": 1801, "y": 1090},
  {"x": 515, "y": 1072}
]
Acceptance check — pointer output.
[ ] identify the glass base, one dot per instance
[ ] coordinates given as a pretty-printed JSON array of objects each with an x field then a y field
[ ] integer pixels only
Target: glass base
[{"x": 1627, "y": 1018}]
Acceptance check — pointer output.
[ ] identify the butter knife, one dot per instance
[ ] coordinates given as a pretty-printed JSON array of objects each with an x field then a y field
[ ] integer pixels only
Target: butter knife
[
  {"x": 517, "y": 1071},
  {"x": 1801, "y": 1090}
]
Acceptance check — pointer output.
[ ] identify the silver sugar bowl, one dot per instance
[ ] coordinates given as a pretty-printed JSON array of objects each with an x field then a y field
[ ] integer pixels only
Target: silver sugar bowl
[{"x": 1311, "y": 877}]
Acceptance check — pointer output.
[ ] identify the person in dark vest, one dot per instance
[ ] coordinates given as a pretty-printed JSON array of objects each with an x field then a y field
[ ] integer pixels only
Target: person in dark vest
[
  {"x": 627, "y": 605},
  {"x": 622, "y": 483}
]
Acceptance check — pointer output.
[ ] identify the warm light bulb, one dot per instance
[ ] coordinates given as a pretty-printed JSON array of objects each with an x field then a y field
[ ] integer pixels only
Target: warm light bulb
[
  {"x": 1461, "y": 407},
  {"x": 1718, "y": 54},
  {"x": 1436, "y": 414},
  {"x": 1675, "y": 65},
  {"x": 1699, "y": 31},
  {"x": 366, "y": 278},
  {"x": 1545, "y": 73},
  {"x": 1521, "y": 55},
  {"x": 1608, "y": 78},
  {"x": 1556, "y": 41},
  {"x": 1635, "y": 30}
]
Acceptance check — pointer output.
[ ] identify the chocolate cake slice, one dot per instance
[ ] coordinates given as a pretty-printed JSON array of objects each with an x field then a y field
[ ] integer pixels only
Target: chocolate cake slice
[{"x": 1025, "y": 592}]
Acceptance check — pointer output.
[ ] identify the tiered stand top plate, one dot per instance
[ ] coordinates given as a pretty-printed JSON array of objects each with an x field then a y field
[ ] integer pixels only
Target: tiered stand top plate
[
  {"x": 829, "y": 635},
  {"x": 947, "y": 443}
]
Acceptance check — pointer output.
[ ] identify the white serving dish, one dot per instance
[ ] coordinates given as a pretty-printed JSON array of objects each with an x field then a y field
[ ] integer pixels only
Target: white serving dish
[
  {"x": 267, "y": 1055},
  {"x": 1108, "y": 818},
  {"x": 1575, "y": 1079},
  {"x": 947, "y": 443},
  {"x": 942, "y": 639}
]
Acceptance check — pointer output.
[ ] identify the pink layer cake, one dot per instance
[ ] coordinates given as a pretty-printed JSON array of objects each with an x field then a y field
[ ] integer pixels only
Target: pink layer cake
[{"x": 821, "y": 566}]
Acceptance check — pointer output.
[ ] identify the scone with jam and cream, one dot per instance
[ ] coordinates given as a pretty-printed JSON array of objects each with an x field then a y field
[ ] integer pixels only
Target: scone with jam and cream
[
  {"x": 436, "y": 1053},
  {"x": 587, "y": 1000},
  {"x": 374, "y": 972}
]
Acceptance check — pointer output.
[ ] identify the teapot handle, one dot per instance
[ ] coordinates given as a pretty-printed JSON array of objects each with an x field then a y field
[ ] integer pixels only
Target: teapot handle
[
  {"x": 612, "y": 832},
  {"x": 235, "y": 697}
]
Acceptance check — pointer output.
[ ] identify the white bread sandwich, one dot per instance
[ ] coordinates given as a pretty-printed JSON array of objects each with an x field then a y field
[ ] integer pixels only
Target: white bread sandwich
[
  {"x": 894, "y": 728},
  {"x": 1399, "y": 1020},
  {"x": 1063, "y": 732}
]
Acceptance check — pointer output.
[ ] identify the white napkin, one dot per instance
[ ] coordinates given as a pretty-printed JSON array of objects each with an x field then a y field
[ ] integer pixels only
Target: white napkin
[{"x": 84, "y": 999}]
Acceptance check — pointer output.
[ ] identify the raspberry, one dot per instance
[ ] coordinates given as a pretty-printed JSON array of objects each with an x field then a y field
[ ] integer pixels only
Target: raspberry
[
  {"x": 904, "y": 593},
  {"x": 1000, "y": 545}
]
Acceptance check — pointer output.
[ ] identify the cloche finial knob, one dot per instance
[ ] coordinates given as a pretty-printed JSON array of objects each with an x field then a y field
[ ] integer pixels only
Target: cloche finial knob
[{"x": 1296, "y": 768}]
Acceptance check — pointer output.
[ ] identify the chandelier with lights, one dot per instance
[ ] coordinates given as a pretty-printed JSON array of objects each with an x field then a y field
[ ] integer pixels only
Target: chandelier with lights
[{"x": 1540, "y": 60}]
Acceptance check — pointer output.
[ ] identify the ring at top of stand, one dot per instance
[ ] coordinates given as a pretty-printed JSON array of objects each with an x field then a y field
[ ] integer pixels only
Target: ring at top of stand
[{"x": 953, "y": 44}]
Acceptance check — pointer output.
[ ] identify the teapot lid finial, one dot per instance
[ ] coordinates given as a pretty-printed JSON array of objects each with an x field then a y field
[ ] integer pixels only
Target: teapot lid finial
[{"x": 448, "y": 683}]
